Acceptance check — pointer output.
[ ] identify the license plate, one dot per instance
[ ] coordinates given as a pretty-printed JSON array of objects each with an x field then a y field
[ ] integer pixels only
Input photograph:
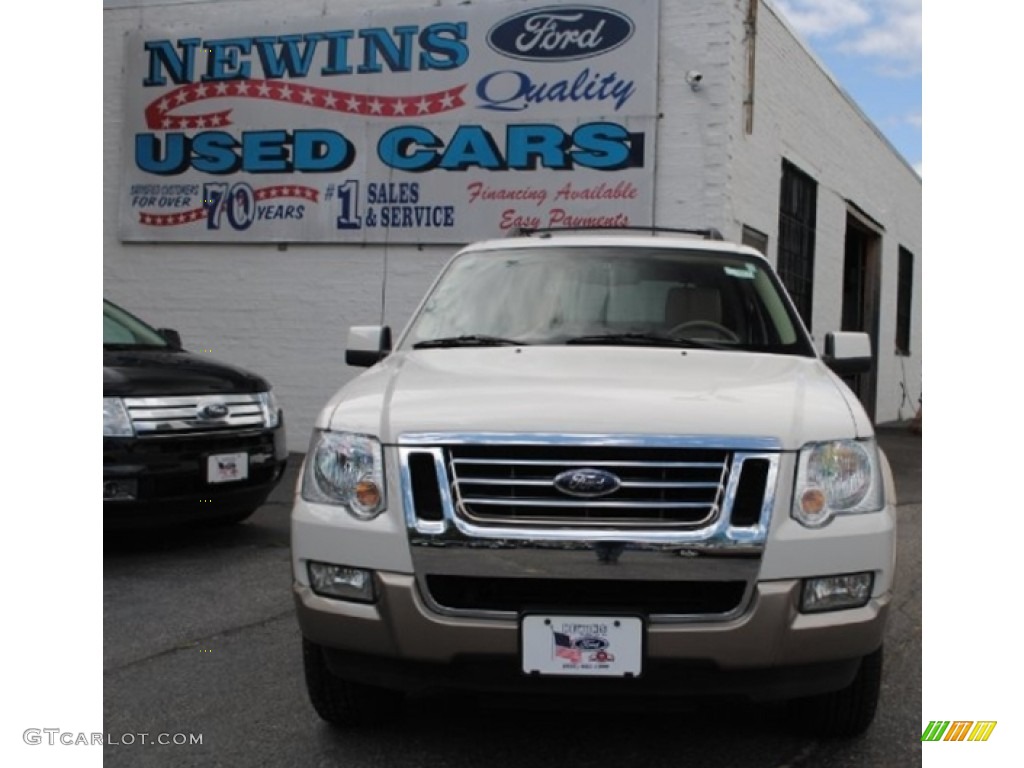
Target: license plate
[
  {"x": 227, "y": 467},
  {"x": 582, "y": 646}
]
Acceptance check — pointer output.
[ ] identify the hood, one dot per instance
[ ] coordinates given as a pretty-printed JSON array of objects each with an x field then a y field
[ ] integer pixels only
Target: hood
[
  {"x": 598, "y": 390},
  {"x": 142, "y": 373}
]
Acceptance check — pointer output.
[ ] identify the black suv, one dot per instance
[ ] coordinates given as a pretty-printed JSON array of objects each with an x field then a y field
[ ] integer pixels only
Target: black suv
[{"x": 185, "y": 439}]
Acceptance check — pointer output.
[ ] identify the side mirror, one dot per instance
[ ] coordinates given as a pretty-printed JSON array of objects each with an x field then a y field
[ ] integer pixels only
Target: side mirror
[
  {"x": 848, "y": 352},
  {"x": 171, "y": 336},
  {"x": 367, "y": 345}
]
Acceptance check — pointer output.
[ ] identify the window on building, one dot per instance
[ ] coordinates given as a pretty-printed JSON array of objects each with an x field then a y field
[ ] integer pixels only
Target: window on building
[
  {"x": 798, "y": 212},
  {"x": 904, "y": 299},
  {"x": 755, "y": 239}
]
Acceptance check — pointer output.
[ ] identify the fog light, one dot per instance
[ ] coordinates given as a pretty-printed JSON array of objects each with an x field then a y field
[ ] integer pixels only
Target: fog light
[
  {"x": 341, "y": 581},
  {"x": 120, "y": 490},
  {"x": 833, "y": 593}
]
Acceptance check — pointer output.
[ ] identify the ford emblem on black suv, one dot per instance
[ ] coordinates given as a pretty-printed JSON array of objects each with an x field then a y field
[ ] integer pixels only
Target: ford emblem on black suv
[
  {"x": 587, "y": 483},
  {"x": 560, "y": 33},
  {"x": 212, "y": 411}
]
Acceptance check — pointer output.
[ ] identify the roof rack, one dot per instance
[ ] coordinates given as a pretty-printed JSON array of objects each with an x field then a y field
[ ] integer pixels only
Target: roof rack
[{"x": 708, "y": 233}]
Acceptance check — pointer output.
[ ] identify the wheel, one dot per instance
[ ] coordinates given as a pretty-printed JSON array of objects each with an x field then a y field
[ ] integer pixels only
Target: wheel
[
  {"x": 846, "y": 712},
  {"x": 704, "y": 325},
  {"x": 343, "y": 702}
]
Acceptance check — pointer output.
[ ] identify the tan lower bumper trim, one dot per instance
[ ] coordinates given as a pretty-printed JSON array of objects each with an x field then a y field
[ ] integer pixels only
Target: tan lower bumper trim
[{"x": 771, "y": 633}]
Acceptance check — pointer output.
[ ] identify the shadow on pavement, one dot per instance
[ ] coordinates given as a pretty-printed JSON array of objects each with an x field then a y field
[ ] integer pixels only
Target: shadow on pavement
[{"x": 903, "y": 449}]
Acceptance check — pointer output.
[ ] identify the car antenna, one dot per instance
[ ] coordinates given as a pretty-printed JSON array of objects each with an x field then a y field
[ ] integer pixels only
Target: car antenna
[{"x": 384, "y": 277}]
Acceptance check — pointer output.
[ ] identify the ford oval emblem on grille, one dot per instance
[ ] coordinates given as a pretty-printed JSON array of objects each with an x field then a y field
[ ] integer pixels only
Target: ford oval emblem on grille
[
  {"x": 560, "y": 33},
  {"x": 212, "y": 411},
  {"x": 587, "y": 483}
]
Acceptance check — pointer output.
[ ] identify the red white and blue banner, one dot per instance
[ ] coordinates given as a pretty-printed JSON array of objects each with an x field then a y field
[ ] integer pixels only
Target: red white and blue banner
[{"x": 439, "y": 125}]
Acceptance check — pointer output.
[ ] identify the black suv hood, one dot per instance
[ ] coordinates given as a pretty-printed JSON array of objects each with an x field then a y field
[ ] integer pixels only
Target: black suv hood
[{"x": 142, "y": 373}]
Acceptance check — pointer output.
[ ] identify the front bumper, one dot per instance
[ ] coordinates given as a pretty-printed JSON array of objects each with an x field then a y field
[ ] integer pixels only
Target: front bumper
[
  {"x": 720, "y": 602},
  {"x": 169, "y": 474},
  {"x": 771, "y": 651}
]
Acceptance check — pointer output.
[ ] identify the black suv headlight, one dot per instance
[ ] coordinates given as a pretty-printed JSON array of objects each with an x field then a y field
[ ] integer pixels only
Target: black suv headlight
[
  {"x": 116, "y": 422},
  {"x": 270, "y": 407}
]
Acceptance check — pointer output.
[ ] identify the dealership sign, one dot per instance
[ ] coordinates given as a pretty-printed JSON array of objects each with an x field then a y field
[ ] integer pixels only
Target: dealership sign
[{"x": 433, "y": 125}]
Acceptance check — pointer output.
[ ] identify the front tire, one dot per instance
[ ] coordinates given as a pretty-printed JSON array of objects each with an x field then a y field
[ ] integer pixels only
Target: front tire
[
  {"x": 344, "y": 702},
  {"x": 844, "y": 713}
]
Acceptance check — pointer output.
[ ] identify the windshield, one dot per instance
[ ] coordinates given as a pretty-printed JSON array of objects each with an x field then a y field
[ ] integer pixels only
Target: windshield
[
  {"x": 609, "y": 295},
  {"x": 121, "y": 330}
]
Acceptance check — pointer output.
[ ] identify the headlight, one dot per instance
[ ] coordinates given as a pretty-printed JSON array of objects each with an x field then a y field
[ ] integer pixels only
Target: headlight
[
  {"x": 839, "y": 477},
  {"x": 115, "y": 418},
  {"x": 345, "y": 469},
  {"x": 270, "y": 407}
]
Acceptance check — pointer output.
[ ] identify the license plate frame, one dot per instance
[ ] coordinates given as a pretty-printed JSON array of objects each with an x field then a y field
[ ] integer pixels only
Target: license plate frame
[
  {"x": 582, "y": 645},
  {"x": 227, "y": 468}
]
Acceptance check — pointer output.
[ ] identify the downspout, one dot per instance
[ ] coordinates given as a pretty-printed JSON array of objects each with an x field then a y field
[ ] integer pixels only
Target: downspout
[
  {"x": 750, "y": 39},
  {"x": 658, "y": 116}
]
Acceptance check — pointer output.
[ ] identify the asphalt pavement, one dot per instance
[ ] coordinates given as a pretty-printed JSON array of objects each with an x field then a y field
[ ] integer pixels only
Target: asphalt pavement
[
  {"x": 200, "y": 641},
  {"x": 903, "y": 449}
]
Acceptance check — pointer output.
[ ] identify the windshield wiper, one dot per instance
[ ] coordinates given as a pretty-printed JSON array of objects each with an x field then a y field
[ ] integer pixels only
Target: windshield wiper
[
  {"x": 641, "y": 339},
  {"x": 471, "y": 340}
]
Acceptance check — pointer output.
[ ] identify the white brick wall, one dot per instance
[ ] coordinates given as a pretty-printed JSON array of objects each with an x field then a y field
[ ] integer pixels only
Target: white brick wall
[
  {"x": 802, "y": 115},
  {"x": 693, "y": 133},
  {"x": 285, "y": 313}
]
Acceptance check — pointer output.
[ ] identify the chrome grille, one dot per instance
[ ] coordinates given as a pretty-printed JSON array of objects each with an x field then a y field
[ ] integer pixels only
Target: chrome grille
[
  {"x": 657, "y": 486},
  {"x": 157, "y": 415},
  {"x": 474, "y": 558}
]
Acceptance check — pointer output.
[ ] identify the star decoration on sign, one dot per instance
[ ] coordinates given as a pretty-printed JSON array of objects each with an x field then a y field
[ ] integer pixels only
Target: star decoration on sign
[
  {"x": 159, "y": 112},
  {"x": 171, "y": 219},
  {"x": 199, "y": 214}
]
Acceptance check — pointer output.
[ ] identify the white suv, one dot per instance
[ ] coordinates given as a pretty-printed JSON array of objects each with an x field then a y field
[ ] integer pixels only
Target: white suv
[{"x": 597, "y": 464}]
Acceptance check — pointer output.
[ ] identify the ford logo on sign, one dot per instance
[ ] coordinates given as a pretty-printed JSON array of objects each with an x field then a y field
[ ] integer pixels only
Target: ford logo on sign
[
  {"x": 560, "y": 33},
  {"x": 587, "y": 483},
  {"x": 591, "y": 643}
]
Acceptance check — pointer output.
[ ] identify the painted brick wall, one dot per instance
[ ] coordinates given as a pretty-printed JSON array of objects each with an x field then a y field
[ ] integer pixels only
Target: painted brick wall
[
  {"x": 802, "y": 115},
  {"x": 693, "y": 132},
  {"x": 285, "y": 313}
]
